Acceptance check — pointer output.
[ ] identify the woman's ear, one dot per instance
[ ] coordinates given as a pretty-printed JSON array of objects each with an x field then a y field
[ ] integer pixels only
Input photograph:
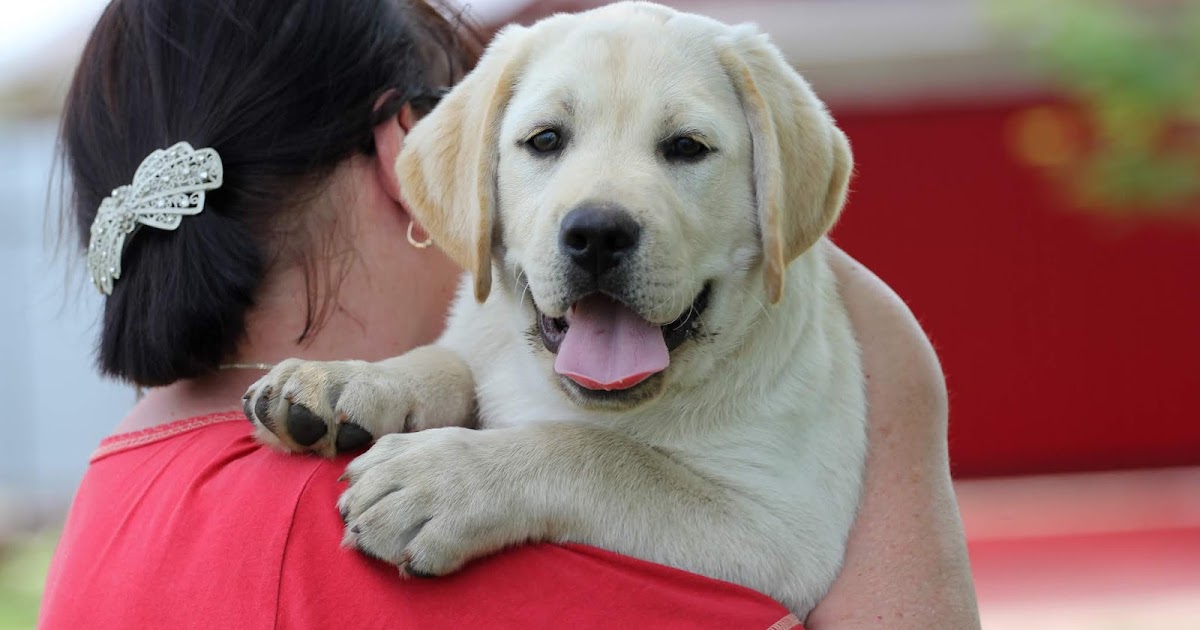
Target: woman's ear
[{"x": 389, "y": 138}]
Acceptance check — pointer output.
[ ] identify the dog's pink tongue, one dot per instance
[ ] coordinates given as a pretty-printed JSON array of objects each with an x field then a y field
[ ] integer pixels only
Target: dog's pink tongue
[{"x": 608, "y": 346}]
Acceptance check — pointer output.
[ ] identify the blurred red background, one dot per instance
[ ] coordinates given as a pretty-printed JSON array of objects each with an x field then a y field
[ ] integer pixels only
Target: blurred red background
[{"x": 1069, "y": 338}]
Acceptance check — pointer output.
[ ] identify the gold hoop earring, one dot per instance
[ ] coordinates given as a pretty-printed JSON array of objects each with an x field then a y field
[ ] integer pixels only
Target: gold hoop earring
[{"x": 414, "y": 242}]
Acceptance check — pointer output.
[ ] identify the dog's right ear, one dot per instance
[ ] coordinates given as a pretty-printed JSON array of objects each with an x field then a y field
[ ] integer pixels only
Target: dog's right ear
[
  {"x": 802, "y": 161},
  {"x": 447, "y": 167}
]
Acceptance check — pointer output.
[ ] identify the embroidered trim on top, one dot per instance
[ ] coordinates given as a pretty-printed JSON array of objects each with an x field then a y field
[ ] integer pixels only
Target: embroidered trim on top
[
  {"x": 125, "y": 441},
  {"x": 790, "y": 622}
]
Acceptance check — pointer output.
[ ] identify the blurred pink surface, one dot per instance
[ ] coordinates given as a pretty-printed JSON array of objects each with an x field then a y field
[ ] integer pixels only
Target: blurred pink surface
[{"x": 1105, "y": 550}]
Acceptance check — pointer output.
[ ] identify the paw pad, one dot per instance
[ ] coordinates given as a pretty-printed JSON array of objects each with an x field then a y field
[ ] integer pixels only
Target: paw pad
[
  {"x": 304, "y": 426},
  {"x": 351, "y": 437}
]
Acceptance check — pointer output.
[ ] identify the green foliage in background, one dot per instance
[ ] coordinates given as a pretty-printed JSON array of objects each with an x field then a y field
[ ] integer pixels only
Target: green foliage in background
[
  {"x": 22, "y": 573},
  {"x": 1134, "y": 68}
]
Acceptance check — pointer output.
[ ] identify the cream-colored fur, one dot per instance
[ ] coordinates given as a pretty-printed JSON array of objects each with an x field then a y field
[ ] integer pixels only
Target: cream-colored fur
[{"x": 745, "y": 461}]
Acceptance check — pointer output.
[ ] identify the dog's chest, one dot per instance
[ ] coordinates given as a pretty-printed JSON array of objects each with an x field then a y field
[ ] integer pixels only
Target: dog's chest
[{"x": 517, "y": 391}]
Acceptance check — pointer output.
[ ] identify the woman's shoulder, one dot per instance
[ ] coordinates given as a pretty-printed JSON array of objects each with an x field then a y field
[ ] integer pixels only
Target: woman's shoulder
[
  {"x": 898, "y": 358},
  {"x": 906, "y": 562},
  {"x": 193, "y": 523},
  {"x": 181, "y": 525}
]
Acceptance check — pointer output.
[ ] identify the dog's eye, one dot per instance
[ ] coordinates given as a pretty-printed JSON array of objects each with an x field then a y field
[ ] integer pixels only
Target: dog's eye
[
  {"x": 546, "y": 141},
  {"x": 685, "y": 148}
]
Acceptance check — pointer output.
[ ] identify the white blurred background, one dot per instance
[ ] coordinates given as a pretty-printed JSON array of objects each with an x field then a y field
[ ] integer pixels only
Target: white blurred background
[{"x": 56, "y": 407}]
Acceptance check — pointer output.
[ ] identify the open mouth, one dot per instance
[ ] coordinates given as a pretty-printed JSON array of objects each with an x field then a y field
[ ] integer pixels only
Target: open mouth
[{"x": 603, "y": 345}]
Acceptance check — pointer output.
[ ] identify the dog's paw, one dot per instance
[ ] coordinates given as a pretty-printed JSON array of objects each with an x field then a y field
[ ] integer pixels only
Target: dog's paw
[
  {"x": 329, "y": 407},
  {"x": 429, "y": 502}
]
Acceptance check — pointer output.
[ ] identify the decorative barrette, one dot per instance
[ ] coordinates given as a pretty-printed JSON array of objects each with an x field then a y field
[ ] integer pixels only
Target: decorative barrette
[{"x": 167, "y": 186}]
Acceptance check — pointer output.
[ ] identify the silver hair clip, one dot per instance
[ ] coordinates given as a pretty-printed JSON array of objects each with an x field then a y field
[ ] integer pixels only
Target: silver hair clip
[{"x": 168, "y": 185}]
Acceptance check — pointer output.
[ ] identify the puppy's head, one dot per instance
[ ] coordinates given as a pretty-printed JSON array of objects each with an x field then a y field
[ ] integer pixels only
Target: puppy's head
[{"x": 642, "y": 177}]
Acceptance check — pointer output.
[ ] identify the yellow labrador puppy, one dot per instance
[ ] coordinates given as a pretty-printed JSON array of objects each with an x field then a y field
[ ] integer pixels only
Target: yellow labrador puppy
[{"x": 651, "y": 334}]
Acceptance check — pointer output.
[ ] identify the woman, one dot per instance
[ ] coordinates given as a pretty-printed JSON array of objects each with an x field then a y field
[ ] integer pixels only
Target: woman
[{"x": 292, "y": 242}]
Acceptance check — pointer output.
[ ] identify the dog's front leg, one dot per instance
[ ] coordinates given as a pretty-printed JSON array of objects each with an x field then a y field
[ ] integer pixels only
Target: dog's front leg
[
  {"x": 431, "y": 501},
  {"x": 328, "y": 407}
]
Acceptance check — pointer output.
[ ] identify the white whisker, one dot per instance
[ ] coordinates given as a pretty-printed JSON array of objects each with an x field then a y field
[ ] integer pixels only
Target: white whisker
[{"x": 762, "y": 307}]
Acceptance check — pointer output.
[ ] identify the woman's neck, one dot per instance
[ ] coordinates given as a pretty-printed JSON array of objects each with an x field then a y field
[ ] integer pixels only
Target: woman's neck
[
  {"x": 371, "y": 320},
  {"x": 391, "y": 298}
]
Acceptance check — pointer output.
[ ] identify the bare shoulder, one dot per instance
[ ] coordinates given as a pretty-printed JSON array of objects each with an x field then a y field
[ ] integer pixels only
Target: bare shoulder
[
  {"x": 906, "y": 564},
  {"x": 901, "y": 367}
]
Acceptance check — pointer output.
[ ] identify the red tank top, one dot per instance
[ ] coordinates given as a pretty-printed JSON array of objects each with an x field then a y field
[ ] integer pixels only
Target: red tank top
[{"x": 194, "y": 525}]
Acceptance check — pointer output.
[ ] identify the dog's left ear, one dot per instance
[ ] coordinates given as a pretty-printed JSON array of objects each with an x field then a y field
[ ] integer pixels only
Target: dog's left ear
[{"x": 802, "y": 161}]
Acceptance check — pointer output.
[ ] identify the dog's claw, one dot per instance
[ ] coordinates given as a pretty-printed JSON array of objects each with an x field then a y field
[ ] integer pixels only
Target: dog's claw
[
  {"x": 408, "y": 570},
  {"x": 262, "y": 407}
]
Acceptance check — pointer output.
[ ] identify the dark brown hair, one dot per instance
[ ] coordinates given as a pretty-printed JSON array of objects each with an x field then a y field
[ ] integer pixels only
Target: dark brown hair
[{"x": 284, "y": 91}]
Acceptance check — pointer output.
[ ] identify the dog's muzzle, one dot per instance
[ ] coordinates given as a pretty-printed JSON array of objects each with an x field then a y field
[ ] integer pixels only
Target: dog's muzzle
[{"x": 602, "y": 342}]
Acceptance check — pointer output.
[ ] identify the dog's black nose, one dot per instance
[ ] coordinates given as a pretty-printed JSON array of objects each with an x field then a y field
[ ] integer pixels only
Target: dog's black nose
[{"x": 597, "y": 238}]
